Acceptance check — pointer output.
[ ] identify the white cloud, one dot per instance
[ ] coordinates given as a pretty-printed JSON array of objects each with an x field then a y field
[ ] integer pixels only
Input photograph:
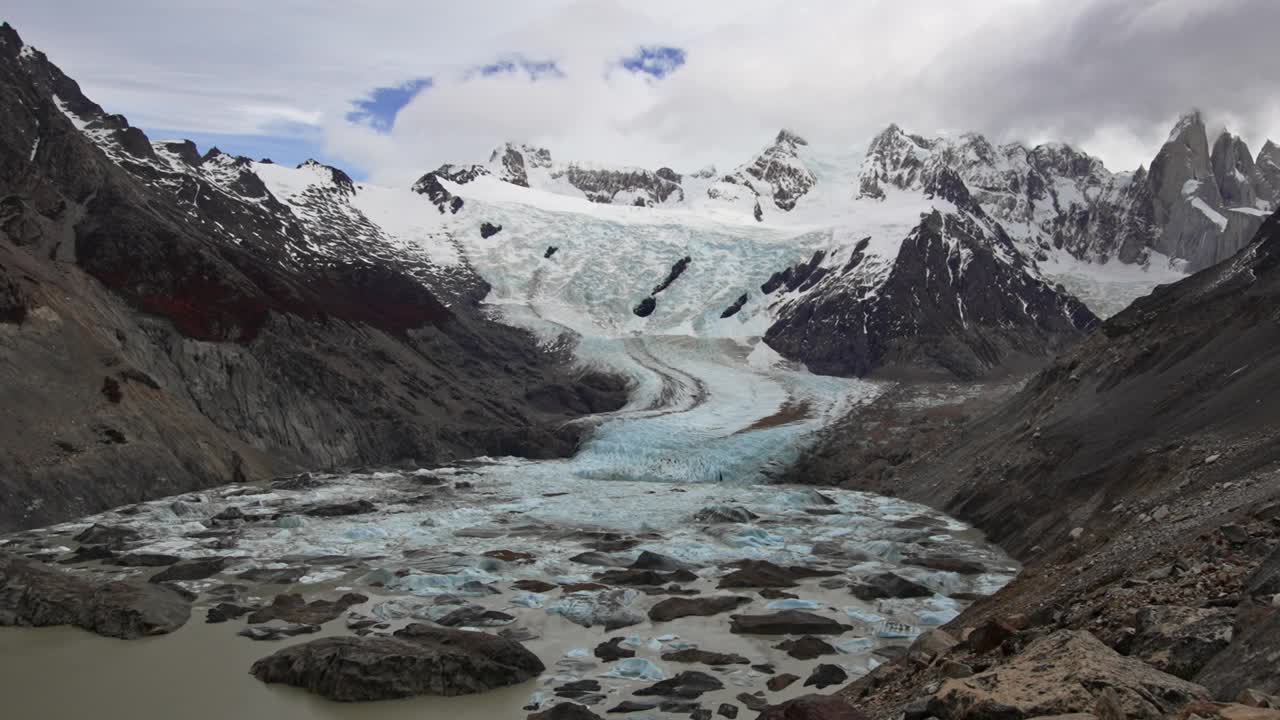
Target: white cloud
[{"x": 1109, "y": 75}]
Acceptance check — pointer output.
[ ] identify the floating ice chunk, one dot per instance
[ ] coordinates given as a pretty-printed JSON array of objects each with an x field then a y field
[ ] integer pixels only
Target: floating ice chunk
[
  {"x": 755, "y": 537},
  {"x": 578, "y": 653},
  {"x": 865, "y": 616},
  {"x": 365, "y": 533},
  {"x": 321, "y": 576},
  {"x": 937, "y": 617},
  {"x": 667, "y": 638},
  {"x": 381, "y": 576},
  {"x": 636, "y": 669},
  {"x": 529, "y": 600},
  {"x": 677, "y": 645},
  {"x": 290, "y": 522},
  {"x": 889, "y": 630},
  {"x": 611, "y": 608},
  {"x": 633, "y": 641},
  {"x": 794, "y": 604},
  {"x": 467, "y": 582},
  {"x": 854, "y": 646}
]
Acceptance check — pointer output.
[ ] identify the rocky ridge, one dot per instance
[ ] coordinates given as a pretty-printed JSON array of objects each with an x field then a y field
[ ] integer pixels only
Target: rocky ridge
[
  {"x": 1135, "y": 477},
  {"x": 201, "y": 329}
]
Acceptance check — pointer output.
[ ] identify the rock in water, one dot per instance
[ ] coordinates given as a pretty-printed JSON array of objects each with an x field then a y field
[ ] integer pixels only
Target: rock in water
[
  {"x": 292, "y": 608},
  {"x": 806, "y": 648},
  {"x": 888, "y": 585},
  {"x": 826, "y": 674},
  {"x": 417, "y": 660},
  {"x": 197, "y": 569},
  {"x": 35, "y": 595},
  {"x": 705, "y": 657},
  {"x": 813, "y": 707},
  {"x": 674, "y": 608},
  {"x": 1064, "y": 673},
  {"x": 786, "y": 622},
  {"x": 689, "y": 684},
  {"x": 565, "y": 711}
]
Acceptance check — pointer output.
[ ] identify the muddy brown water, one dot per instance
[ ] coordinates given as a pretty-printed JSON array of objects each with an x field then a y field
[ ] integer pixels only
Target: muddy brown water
[{"x": 201, "y": 672}]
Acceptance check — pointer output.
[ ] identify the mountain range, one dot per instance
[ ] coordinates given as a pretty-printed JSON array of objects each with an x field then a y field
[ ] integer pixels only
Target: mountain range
[{"x": 256, "y": 302}]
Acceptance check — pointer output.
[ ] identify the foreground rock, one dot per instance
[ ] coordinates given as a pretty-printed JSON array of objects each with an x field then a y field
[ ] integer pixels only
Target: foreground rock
[
  {"x": 292, "y": 608},
  {"x": 565, "y": 711},
  {"x": 787, "y": 622},
  {"x": 35, "y": 595},
  {"x": 1063, "y": 673},
  {"x": 417, "y": 660},
  {"x": 1181, "y": 640},
  {"x": 675, "y": 608},
  {"x": 812, "y": 707},
  {"x": 764, "y": 574}
]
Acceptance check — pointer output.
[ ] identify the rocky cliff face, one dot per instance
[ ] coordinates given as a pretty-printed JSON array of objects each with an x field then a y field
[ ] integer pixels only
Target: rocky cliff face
[
  {"x": 1193, "y": 206},
  {"x": 778, "y": 173},
  {"x": 1136, "y": 480},
  {"x": 955, "y": 297},
  {"x": 167, "y": 322}
]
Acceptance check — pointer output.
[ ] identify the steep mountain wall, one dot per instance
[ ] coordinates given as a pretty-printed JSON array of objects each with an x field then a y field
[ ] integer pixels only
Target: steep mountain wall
[{"x": 163, "y": 329}]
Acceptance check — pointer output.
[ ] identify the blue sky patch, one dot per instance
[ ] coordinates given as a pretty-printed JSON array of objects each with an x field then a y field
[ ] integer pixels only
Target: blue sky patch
[
  {"x": 380, "y": 108},
  {"x": 657, "y": 61}
]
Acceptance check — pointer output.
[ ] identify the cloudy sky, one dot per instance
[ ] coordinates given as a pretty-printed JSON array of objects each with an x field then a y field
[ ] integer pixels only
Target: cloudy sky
[{"x": 391, "y": 88}]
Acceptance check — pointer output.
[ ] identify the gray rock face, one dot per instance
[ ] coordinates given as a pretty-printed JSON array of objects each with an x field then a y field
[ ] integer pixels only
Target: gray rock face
[
  {"x": 1268, "y": 164},
  {"x": 1058, "y": 197},
  {"x": 234, "y": 338},
  {"x": 35, "y": 595},
  {"x": 957, "y": 300},
  {"x": 417, "y": 660},
  {"x": 632, "y": 187},
  {"x": 1181, "y": 640},
  {"x": 1060, "y": 674},
  {"x": 1239, "y": 181},
  {"x": 778, "y": 172}
]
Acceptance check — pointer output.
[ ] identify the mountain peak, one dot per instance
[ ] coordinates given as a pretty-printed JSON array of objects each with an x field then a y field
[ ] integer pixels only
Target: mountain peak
[
  {"x": 789, "y": 137},
  {"x": 1190, "y": 121}
]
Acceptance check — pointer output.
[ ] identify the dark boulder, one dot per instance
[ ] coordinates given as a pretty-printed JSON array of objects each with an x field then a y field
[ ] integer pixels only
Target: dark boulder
[
  {"x": 825, "y": 675},
  {"x": 786, "y": 622},
  {"x": 762, "y": 573},
  {"x": 353, "y": 507},
  {"x": 887, "y": 585},
  {"x": 145, "y": 560},
  {"x": 109, "y": 535},
  {"x": 813, "y": 707},
  {"x": 676, "y": 607},
  {"x": 806, "y": 648},
  {"x": 735, "y": 307},
  {"x": 292, "y": 608},
  {"x": 488, "y": 230},
  {"x": 689, "y": 685},
  {"x": 778, "y": 683},
  {"x": 646, "y": 307},
  {"x": 197, "y": 569},
  {"x": 416, "y": 660},
  {"x": 565, "y": 711},
  {"x": 35, "y": 595},
  {"x": 613, "y": 650},
  {"x": 704, "y": 657}
]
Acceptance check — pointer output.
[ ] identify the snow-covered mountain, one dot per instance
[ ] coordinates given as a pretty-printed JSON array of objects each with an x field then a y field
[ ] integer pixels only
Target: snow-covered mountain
[
  {"x": 1192, "y": 209},
  {"x": 951, "y": 252}
]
